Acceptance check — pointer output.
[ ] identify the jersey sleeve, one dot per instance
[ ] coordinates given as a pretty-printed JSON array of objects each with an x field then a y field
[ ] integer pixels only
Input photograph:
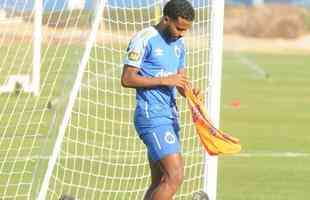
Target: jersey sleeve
[{"x": 136, "y": 51}]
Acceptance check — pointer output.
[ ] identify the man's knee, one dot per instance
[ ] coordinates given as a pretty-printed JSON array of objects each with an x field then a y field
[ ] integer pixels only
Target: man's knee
[{"x": 175, "y": 178}]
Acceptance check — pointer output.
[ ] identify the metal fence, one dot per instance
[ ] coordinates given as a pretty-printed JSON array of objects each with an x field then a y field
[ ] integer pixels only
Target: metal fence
[
  {"x": 58, "y": 5},
  {"x": 253, "y": 2}
]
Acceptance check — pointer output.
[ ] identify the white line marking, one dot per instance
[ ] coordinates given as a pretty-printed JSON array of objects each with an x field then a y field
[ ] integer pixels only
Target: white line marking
[
  {"x": 257, "y": 69},
  {"x": 274, "y": 154},
  {"x": 122, "y": 156}
]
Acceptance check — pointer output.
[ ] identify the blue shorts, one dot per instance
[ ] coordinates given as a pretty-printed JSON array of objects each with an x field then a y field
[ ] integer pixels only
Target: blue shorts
[{"x": 160, "y": 141}]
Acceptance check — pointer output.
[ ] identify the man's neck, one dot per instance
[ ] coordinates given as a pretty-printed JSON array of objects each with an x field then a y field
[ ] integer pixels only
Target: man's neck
[{"x": 160, "y": 26}]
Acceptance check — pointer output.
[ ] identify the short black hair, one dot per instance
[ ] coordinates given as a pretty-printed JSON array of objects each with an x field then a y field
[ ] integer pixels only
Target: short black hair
[{"x": 179, "y": 8}]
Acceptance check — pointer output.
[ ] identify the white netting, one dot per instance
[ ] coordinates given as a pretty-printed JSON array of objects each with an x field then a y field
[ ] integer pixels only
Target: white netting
[
  {"x": 29, "y": 123},
  {"x": 101, "y": 156}
]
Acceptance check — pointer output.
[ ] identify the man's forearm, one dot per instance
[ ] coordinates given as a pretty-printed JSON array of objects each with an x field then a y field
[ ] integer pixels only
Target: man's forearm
[
  {"x": 137, "y": 81},
  {"x": 132, "y": 79}
]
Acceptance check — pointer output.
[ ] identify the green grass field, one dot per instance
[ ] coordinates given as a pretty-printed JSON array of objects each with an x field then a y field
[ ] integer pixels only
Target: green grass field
[{"x": 271, "y": 123}]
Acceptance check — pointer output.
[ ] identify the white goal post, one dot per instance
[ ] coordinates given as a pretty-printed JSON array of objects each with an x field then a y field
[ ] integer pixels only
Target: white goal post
[
  {"x": 70, "y": 132},
  {"x": 214, "y": 88}
]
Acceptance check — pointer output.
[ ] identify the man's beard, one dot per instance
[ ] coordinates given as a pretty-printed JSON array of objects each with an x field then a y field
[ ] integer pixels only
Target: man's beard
[{"x": 169, "y": 36}]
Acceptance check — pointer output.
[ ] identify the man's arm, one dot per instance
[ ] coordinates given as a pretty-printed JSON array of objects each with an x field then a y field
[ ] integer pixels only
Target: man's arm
[{"x": 131, "y": 79}]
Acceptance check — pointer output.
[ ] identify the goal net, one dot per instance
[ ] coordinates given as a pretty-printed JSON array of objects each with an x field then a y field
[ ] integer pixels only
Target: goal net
[
  {"x": 76, "y": 136},
  {"x": 16, "y": 60}
]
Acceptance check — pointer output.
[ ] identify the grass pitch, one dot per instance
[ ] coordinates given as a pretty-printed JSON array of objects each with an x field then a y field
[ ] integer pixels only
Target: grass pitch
[
  {"x": 272, "y": 123},
  {"x": 271, "y": 120}
]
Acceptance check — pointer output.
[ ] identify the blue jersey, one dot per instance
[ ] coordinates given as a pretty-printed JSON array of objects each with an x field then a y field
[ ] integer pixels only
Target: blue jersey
[{"x": 155, "y": 56}]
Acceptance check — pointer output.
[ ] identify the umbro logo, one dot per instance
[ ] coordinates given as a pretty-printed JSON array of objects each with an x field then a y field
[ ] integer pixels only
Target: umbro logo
[{"x": 159, "y": 52}]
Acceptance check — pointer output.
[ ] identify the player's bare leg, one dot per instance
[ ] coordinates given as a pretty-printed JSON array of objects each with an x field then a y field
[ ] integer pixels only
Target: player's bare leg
[
  {"x": 156, "y": 175},
  {"x": 173, "y": 168}
]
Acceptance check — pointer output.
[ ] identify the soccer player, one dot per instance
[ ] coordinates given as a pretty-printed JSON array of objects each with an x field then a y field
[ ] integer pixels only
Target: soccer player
[{"x": 154, "y": 65}]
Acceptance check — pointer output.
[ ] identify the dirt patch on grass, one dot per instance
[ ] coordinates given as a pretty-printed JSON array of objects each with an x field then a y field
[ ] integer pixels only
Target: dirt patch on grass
[
  {"x": 301, "y": 45},
  {"x": 276, "y": 29},
  {"x": 270, "y": 21},
  {"x": 268, "y": 28}
]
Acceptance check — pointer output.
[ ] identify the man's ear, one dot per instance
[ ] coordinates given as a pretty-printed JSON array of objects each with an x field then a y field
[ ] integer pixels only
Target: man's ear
[{"x": 166, "y": 19}]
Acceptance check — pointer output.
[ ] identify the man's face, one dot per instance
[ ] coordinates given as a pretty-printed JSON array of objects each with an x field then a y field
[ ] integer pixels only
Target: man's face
[{"x": 175, "y": 29}]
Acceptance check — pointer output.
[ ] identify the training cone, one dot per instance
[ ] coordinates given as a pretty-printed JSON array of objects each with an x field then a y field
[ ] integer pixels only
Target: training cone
[{"x": 235, "y": 104}]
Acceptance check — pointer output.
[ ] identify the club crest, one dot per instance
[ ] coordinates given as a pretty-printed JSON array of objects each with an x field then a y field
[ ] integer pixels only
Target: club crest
[
  {"x": 177, "y": 51},
  {"x": 169, "y": 138}
]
